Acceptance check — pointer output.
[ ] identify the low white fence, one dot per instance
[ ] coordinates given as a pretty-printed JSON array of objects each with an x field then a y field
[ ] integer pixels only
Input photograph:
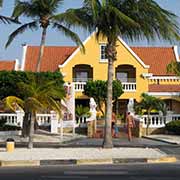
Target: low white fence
[
  {"x": 52, "y": 120},
  {"x": 157, "y": 121},
  {"x": 81, "y": 121}
]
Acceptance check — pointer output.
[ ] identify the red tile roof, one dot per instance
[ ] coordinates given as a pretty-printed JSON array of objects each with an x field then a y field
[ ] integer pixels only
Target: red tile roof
[
  {"x": 7, "y": 65},
  {"x": 157, "y": 57},
  {"x": 53, "y": 56},
  {"x": 164, "y": 88}
]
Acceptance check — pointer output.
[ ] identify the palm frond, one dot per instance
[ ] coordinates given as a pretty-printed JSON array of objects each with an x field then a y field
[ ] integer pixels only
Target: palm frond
[
  {"x": 8, "y": 20},
  {"x": 20, "y": 8},
  {"x": 32, "y": 25},
  {"x": 70, "y": 34},
  {"x": 33, "y": 104},
  {"x": 12, "y": 101},
  {"x": 73, "y": 17}
]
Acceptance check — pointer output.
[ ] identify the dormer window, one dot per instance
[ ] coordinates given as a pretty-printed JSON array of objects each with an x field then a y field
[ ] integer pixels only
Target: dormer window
[{"x": 103, "y": 57}]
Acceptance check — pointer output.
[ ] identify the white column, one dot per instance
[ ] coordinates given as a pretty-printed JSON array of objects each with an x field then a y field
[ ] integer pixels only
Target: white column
[
  {"x": 20, "y": 116},
  {"x": 54, "y": 122}
]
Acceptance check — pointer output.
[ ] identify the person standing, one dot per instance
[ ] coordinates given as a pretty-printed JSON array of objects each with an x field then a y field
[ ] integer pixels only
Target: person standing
[{"x": 130, "y": 125}]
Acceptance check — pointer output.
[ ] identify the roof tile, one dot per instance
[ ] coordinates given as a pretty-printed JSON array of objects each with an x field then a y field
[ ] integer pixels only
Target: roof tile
[
  {"x": 164, "y": 88},
  {"x": 7, "y": 65},
  {"x": 157, "y": 57},
  {"x": 53, "y": 56}
]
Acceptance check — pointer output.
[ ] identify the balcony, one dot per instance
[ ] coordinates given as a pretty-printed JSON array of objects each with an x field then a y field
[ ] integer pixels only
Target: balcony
[
  {"x": 79, "y": 86},
  {"x": 127, "y": 86}
]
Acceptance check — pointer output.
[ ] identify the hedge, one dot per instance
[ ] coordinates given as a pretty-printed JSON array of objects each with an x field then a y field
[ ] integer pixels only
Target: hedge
[{"x": 174, "y": 127}]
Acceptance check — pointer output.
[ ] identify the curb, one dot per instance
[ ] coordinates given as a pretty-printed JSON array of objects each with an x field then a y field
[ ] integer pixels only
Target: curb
[
  {"x": 19, "y": 163},
  {"x": 115, "y": 161},
  {"x": 160, "y": 140}
]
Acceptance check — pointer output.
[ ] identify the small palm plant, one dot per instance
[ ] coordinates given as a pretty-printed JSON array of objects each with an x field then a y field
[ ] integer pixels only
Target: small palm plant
[
  {"x": 39, "y": 95},
  {"x": 149, "y": 103},
  {"x": 81, "y": 111},
  {"x": 43, "y": 15}
]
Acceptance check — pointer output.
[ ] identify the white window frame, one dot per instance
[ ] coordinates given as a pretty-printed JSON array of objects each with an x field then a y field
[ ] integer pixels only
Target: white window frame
[{"x": 102, "y": 59}]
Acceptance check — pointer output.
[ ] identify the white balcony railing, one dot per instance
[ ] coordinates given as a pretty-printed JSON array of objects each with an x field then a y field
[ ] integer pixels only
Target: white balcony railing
[
  {"x": 79, "y": 86},
  {"x": 127, "y": 86}
]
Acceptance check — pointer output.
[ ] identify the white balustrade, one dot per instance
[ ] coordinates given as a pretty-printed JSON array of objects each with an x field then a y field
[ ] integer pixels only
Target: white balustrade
[
  {"x": 11, "y": 119},
  {"x": 79, "y": 86},
  {"x": 81, "y": 121},
  {"x": 175, "y": 117},
  {"x": 129, "y": 86},
  {"x": 43, "y": 119},
  {"x": 155, "y": 121}
]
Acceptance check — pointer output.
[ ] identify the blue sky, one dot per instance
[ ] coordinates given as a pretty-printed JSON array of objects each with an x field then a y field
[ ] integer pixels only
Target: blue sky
[{"x": 55, "y": 38}]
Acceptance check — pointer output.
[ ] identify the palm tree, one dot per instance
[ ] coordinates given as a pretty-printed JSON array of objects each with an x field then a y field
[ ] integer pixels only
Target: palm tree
[
  {"x": 174, "y": 67},
  {"x": 39, "y": 95},
  {"x": 5, "y": 19},
  {"x": 150, "y": 103},
  {"x": 130, "y": 19},
  {"x": 43, "y": 15}
]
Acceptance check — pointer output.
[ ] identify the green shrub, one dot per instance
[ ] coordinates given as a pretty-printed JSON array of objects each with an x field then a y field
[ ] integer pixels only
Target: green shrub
[
  {"x": 6, "y": 127},
  {"x": 11, "y": 128},
  {"x": 173, "y": 126}
]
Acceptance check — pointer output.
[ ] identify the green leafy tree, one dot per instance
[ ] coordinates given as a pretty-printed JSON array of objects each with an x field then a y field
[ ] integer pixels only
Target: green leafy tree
[
  {"x": 130, "y": 19},
  {"x": 38, "y": 95},
  {"x": 117, "y": 92},
  {"x": 9, "y": 81},
  {"x": 149, "y": 103},
  {"x": 43, "y": 15},
  {"x": 98, "y": 90}
]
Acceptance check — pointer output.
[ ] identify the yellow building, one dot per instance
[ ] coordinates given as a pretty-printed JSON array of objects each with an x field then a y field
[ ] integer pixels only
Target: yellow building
[{"x": 140, "y": 69}]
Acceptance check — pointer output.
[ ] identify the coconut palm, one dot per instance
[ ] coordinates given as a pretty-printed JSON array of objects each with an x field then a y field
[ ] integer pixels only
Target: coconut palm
[
  {"x": 174, "y": 67},
  {"x": 43, "y": 15},
  {"x": 149, "y": 103},
  {"x": 39, "y": 95},
  {"x": 5, "y": 19},
  {"x": 129, "y": 19}
]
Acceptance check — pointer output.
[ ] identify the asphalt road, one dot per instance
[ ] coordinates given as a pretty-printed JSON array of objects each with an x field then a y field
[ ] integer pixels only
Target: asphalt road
[{"x": 106, "y": 172}]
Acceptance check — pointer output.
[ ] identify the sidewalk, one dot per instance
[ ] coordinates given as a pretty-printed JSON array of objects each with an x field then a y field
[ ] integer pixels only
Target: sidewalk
[
  {"x": 49, "y": 156},
  {"x": 172, "y": 139},
  {"x": 52, "y": 150}
]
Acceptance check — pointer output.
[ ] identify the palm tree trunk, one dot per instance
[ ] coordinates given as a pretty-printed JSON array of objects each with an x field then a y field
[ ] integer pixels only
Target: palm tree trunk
[
  {"x": 25, "y": 130},
  {"x": 111, "y": 53},
  {"x": 41, "y": 50},
  {"x": 108, "y": 136},
  {"x": 148, "y": 123},
  {"x": 31, "y": 131}
]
